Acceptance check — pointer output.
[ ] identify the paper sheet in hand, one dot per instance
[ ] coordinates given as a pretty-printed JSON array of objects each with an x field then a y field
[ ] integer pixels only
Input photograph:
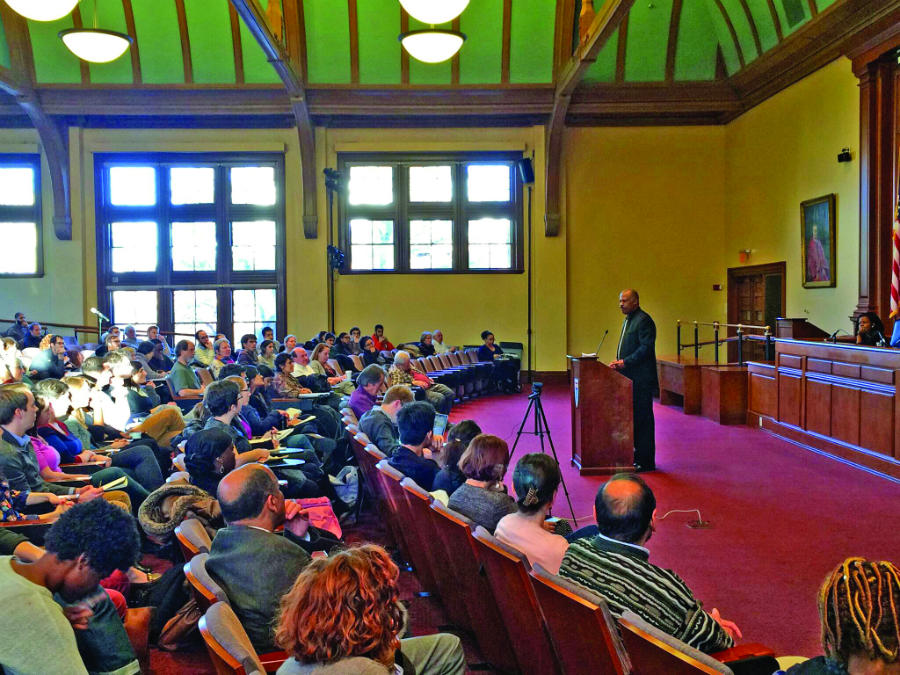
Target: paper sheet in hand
[
  {"x": 267, "y": 438},
  {"x": 284, "y": 461},
  {"x": 117, "y": 484}
]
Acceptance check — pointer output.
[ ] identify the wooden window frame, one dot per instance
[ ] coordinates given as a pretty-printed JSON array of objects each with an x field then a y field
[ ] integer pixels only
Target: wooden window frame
[
  {"x": 458, "y": 210},
  {"x": 165, "y": 280},
  {"x": 10, "y": 213}
]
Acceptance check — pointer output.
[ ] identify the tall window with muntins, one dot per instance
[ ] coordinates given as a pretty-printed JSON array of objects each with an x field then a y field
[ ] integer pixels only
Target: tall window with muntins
[
  {"x": 191, "y": 241},
  {"x": 425, "y": 213},
  {"x": 20, "y": 216}
]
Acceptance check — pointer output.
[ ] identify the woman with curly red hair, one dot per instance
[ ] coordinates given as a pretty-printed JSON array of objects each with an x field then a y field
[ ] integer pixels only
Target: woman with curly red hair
[{"x": 343, "y": 615}]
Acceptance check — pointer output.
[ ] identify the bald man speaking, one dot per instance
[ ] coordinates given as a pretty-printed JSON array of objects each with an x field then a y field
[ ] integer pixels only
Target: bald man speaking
[{"x": 636, "y": 360}]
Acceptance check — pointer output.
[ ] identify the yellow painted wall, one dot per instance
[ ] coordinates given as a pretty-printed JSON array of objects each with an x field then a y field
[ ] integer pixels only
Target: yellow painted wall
[
  {"x": 780, "y": 153},
  {"x": 644, "y": 209}
]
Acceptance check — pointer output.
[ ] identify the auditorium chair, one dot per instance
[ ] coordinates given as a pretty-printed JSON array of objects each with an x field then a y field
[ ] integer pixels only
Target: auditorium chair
[
  {"x": 347, "y": 413},
  {"x": 85, "y": 468},
  {"x": 35, "y": 531},
  {"x": 336, "y": 366},
  {"x": 192, "y": 538},
  {"x": 229, "y": 646},
  {"x": 441, "y": 567},
  {"x": 455, "y": 536},
  {"x": 205, "y": 375},
  {"x": 415, "y": 547},
  {"x": 186, "y": 403},
  {"x": 581, "y": 627},
  {"x": 205, "y": 591},
  {"x": 507, "y": 572},
  {"x": 357, "y": 361}
]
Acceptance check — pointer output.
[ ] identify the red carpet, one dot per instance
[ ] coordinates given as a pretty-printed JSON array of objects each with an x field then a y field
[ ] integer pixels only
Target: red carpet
[{"x": 781, "y": 516}]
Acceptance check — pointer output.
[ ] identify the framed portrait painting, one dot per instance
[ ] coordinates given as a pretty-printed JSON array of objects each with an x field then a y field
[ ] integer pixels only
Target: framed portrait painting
[{"x": 817, "y": 242}]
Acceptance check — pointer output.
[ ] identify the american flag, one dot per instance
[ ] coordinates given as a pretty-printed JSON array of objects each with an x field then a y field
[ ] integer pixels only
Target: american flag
[{"x": 895, "y": 265}]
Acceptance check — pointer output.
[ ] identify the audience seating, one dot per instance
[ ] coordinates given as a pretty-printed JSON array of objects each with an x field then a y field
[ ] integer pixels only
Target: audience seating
[
  {"x": 507, "y": 571},
  {"x": 178, "y": 475},
  {"x": 357, "y": 361},
  {"x": 581, "y": 626},
  {"x": 192, "y": 538},
  {"x": 205, "y": 375},
  {"x": 206, "y": 591},
  {"x": 184, "y": 402},
  {"x": 651, "y": 651},
  {"x": 455, "y": 537},
  {"x": 230, "y": 648}
]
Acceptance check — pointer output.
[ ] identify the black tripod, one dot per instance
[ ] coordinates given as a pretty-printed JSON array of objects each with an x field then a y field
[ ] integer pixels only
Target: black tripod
[{"x": 540, "y": 429}]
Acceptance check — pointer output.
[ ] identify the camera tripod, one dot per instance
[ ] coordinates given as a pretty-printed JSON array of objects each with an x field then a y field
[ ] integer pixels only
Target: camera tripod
[{"x": 541, "y": 428}]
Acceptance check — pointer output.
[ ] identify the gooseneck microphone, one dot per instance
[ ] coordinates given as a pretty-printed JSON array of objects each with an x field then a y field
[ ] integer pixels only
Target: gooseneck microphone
[{"x": 96, "y": 311}]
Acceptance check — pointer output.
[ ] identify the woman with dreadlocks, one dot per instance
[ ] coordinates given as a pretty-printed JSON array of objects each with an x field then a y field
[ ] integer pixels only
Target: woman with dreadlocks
[{"x": 859, "y": 606}]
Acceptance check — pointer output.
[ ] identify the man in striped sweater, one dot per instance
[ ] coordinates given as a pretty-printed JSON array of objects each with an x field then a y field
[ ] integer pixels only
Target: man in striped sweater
[{"x": 615, "y": 564}]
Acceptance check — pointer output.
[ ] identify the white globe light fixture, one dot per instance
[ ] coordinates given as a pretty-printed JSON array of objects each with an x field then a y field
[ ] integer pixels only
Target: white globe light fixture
[
  {"x": 42, "y": 10},
  {"x": 432, "y": 45},
  {"x": 94, "y": 44},
  {"x": 434, "y": 11}
]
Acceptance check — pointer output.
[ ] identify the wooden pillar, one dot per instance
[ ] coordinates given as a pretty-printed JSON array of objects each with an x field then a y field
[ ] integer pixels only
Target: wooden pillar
[{"x": 877, "y": 193}]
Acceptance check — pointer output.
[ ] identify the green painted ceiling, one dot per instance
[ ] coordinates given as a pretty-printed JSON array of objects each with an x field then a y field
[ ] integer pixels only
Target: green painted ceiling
[{"x": 737, "y": 28}]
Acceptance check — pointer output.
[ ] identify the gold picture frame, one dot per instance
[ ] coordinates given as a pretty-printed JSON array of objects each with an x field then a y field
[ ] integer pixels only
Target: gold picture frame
[{"x": 818, "y": 239}]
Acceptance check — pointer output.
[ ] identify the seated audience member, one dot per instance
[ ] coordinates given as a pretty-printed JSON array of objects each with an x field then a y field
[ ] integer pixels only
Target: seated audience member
[
  {"x": 130, "y": 339},
  {"x": 482, "y": 498},
  {"x": 343, "y": 615},
  {"x": 183, "y": 379},
  {"x": 341, "y": 352},
  {"x": 381, "y": 342},
  {"x": 18, "y": 461},
  {"x": 302, "y": 365},
  {"x": 268, "y": 334},
  {"x": 223, "y": 401},
  {"x": 425, "y": 344},
  {"x": 340, "y": 384},
  {"x": 155, "y": 353},
  {"x": 365, "y": 396},
  {"x": 369, "y": 352},
  {"x": 625, "y": 510},
  {"x": 11, "y": 368},
  {"x": 284, "y": 384},
  {"x": 209, "y": 455},
  {"x": 248, "y": 355},
  {"x": 12, "y": 502},
  {"x": 222, "y": 349},
  {"x": 154, "y": 336},
  {"x": 254, "y": 507},
  {"x": 459, "y": 436},
  {"x": 355, "y": 339},
  {"x": 204, "y": 354},
  {"x": 267, "y": 349},
  {"x": 108, "y": 412},
  {"x": 328, "y": 339},
  {"x": 42, "y": 601},
  {"x": 111, "y": 342},
  {"x": 33, "y": 337},
  {"x": 506, "y": 371},
  {"x": 379, "y": 423},
  {"x": 536, "y": 480},
  {"x": 308, "y": 376},
  {"x": 859, "y": 608},
  {"x": 412, "y": 458},
  {"x": 289, "y": 343},
  {"x": 870, "y": 330},
  {"x": 404, "y": 372},
  {"x": 437, "y": 341},
  {"x": 52, "y": 360},
  {"x": 19, "y": 329}
]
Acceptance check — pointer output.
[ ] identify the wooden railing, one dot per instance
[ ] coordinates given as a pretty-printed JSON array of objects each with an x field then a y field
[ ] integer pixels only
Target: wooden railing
[
  {"x": 76, "y": 328},
  {"x": 716, "y": 341}
]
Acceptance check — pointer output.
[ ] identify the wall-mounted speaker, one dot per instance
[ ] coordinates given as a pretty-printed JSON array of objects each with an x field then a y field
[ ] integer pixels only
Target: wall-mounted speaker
[{"x": 526, "y": 170}]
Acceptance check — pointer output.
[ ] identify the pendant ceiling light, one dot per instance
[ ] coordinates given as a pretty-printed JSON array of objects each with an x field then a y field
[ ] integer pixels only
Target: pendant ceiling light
[
  {"x": 95, "y": 44},
  {"x": 434, "y": 11},
  {"x": 42, "y": 10},
  {"x": 432, "y": 45}
]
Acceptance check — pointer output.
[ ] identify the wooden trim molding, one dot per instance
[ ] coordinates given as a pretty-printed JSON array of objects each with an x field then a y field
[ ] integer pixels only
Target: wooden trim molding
[
  {"x": 255, "y": 18},
  {"x": 753, "y": 28},
  {"x": 404, "y": 57},
  {"x": 505, "y": 41},
  {"x": 732, "y": 32},
  {"x": 672, "y": 45},
  {"x": 137, "y": 76},
  {"x": 237, "y": 45},
  {"x": 353, "y": 25},
  {"x": 185, "y": 42},
  {"x": 606, "y": 21},
  {"x": 82, "y": 64}
]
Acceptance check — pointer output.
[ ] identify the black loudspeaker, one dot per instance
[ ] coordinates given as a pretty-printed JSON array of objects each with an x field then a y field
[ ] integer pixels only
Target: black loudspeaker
[{"x": 526, "y": 170}]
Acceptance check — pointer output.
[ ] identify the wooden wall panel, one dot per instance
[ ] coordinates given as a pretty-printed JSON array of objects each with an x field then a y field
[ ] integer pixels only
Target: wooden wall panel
[
  {"x": 818, "y": 407},
  {"x": 845, "y": 414},
  {"x": 876, "y": 422},
  {"x": 763, "y": 395},
  {"x": 789, "y": 399}
]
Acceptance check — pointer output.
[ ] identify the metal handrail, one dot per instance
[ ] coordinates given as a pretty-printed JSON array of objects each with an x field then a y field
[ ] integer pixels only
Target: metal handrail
[
  {"x": 727, "y": 325},
  {"x": 716, "y": 341}
]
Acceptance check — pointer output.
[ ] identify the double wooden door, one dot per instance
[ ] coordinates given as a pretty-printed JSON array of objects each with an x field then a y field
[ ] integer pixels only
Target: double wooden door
[{"x": 756, "y": 297}]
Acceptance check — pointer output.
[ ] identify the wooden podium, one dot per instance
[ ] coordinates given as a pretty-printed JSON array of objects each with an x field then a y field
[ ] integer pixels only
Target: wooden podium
[{"x": 602, "y": 417}]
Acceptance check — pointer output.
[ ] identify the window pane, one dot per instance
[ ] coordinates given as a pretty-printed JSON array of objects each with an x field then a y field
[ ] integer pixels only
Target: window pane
[
  {"x": 137, "y": 308},
  {"x": 371, "y": 184},
  {"x": 252, "y": 309},
  {"x": 17, "y": 186},
  {"x": 134, "y": 246},
  {"x": 371, "y": 244},
  {"x": 19, "y": 248},
  {"x": 430, "y": 184},
  {"x": 132, "y": 185},
  {"x": 193, "y": 247},
  {"x": 430, "y": 244},
  {"x": 488, "y": 182},
  {"x": 194, "y": 310},
  {"x": 253, "y": 185},
  {"x": 253, "y": 245},
  {"x": 192, "y": 185},
  {"x": 490, "y": 244}
]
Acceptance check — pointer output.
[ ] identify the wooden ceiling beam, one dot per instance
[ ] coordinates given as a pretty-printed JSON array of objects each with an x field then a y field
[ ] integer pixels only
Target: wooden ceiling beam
[
  {"x": 605, "y": 23},
  {"x": 137, "y": 76},
  {"x": 672, "y": 44},
  {"x": 52, "y": 137},
  {"x": 255, "y": 19}
]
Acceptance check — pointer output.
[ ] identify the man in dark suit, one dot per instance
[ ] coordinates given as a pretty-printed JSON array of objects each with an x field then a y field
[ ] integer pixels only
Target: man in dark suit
[{"x": 636, "y": 360}]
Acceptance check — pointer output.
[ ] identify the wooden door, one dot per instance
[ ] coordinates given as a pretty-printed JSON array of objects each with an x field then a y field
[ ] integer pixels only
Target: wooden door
[{"x": 756, "y": 297}]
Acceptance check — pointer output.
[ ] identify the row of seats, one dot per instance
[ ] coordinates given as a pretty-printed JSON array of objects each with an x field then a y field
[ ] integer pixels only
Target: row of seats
[{"x": 524, "y": 619}]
